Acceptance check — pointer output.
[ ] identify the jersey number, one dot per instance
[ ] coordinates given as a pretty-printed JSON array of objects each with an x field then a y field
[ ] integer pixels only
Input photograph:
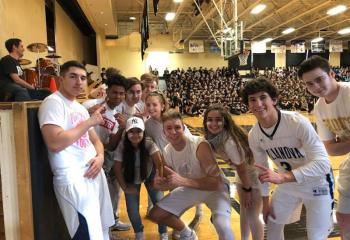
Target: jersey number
[{"x": 286, "y": 166}]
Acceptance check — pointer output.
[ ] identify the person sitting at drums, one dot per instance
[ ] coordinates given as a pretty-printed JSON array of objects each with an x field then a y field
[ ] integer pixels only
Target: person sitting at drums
[{"x": 12, "y": 86}]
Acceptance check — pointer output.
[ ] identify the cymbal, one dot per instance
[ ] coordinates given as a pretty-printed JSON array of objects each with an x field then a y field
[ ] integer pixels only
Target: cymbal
[
  {"x": 53, "y": 56},
  {"x": 37, "y": 47},
  {"x": 24, "y": 61}
]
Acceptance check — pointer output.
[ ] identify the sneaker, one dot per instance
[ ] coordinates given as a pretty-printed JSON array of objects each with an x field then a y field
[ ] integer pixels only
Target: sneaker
[
  {"x": 192, "y": 236},
  {"x": 175, "y": 235},
  {"x": 120, "y": 226},
  {"x": 194, "y": 224},
  {"x": 139, "y": 236},
  {"x": 163, "y": 236}
]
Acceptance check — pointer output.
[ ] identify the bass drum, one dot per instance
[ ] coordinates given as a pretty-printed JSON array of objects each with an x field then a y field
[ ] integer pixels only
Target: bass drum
[{"x": 30, "y": 76}]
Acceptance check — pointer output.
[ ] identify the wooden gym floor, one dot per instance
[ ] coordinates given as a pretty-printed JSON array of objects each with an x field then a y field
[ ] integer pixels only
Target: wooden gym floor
[{"x": 206, "y": 230}]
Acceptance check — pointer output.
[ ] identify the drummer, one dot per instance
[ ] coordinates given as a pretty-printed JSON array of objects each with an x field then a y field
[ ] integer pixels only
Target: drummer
[{"x": 12, "y": 86}]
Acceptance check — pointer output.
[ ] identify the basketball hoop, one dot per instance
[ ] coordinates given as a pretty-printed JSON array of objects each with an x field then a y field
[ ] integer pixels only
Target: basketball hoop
[{"x": 243, "y": 58}]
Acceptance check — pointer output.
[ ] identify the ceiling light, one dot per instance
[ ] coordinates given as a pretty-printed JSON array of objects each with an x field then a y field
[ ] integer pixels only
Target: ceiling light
[
  {"x": 170, "y": 16},
  {"x": 101, "y": 12},
  {"x": 336, "y": 10},
  {"x": 177, "y": 1},
  {"x": 106, "y": 24},
  {"x": 344, "y": 31},
  {"x": 316, "y": 40},
  {"x": 266, "y": 40},
  {"x": 258, "y": 9},
  {"x": 132, "y": 18},
  {"x": 288, "y": 30}
]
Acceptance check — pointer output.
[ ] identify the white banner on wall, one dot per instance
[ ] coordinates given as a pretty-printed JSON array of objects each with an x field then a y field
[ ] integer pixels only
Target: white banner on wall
[
  {"x": 335, "y": 46},
  {"x": 297, "y": 46},
  {"x": 196, "y": 46},
  {"x": 258, "y": 47},
  {"x": 278, "y": 47},
  {"x": 318, "y": 47}
]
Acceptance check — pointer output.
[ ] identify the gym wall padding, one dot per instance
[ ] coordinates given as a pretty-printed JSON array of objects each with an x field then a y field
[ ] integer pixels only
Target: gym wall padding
[
  {"x": 264, "y": 60},
  {"x": 345, "y": 57}
]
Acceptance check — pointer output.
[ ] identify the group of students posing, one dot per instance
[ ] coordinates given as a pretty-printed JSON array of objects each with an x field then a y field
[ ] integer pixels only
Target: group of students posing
[{"x": 136, "y": 139}]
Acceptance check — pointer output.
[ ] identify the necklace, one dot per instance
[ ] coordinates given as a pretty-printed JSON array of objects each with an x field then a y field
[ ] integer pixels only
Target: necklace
[{"x": 270, "y": 136}]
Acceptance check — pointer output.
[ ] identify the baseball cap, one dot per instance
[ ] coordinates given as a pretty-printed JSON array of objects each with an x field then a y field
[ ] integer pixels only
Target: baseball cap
[{"x": 135, "y": 122}]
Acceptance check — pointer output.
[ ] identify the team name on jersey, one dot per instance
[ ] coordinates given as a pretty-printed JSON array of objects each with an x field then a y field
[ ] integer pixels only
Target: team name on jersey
[
  {"x": 284, "y": 153},
  {"x": 108, "y": 124}
]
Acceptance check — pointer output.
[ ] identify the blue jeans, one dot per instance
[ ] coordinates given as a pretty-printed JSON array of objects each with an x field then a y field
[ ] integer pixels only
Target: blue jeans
[
  {"x": 14, "y": 92},
  {"x": 133, "y": 205}
]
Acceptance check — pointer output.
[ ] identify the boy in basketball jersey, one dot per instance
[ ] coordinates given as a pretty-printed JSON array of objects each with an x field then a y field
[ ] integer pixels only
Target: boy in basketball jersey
[
  {"x": 304, "y": 171},
  {"x": 333, "y": 125}
]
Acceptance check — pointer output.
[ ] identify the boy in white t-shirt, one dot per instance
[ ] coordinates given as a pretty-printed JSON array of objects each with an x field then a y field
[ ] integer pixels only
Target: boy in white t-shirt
[
  {"x": 191, "y": 172},
  {"x": 76, "y": 157},
  {"x": 333, "y": 125},
  {"x": 304, "y": 175},
  {"x": 129, "y": 107}
]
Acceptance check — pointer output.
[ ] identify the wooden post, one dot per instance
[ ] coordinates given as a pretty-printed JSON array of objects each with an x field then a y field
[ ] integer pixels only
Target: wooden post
[
  {"x": 8, "y": 175},
  {"x": 24, "y": 186}
]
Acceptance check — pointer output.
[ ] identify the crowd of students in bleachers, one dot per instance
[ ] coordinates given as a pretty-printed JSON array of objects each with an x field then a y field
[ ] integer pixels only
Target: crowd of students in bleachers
[{"x": 194, "y": 89}]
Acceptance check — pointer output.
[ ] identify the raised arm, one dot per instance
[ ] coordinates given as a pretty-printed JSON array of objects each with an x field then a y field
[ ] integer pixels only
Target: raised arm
[{"x": 57, "y": 139}]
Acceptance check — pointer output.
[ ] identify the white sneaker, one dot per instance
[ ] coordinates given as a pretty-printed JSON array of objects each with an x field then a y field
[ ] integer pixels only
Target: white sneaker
[
  {"x": 120, "y": 226},
  {"x": 139, "y": 236},
  {"x": 192, "y": 236},
  {"x": 163, "y": 236}
]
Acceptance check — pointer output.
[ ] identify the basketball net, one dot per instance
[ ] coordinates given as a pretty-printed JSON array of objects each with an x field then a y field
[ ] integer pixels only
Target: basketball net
[{"x": 243, "y": 58}]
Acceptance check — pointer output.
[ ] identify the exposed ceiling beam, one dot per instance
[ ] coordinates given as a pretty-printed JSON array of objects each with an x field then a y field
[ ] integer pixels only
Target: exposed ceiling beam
[
  {"x": 245, "y": 11},
  {"x": 139, "y": 2},
  {"x": 305, "y": 25},
  {"x": 140, "y": 11},
  {"x": 201, "y": 22},
  {"x": 177, "y": 14},
  {"x": 308, "y": 33},
  {"x": 271, "y": 14},
  {"x": 293, "y": 18}
]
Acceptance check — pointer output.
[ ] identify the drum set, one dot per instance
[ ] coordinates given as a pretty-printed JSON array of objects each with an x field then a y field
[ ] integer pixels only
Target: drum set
[{"x": 46, "y": 68}]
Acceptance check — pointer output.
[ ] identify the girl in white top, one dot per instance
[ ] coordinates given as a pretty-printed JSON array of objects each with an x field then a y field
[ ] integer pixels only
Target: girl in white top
[
  {"x": 230, "y": 142},
  {"x": 136, "y": 157},
  {"x": 156, "y": 105}
]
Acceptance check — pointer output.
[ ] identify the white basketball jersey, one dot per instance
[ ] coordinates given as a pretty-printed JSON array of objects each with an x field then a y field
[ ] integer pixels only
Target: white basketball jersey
[{"x": 294, "y": 147}]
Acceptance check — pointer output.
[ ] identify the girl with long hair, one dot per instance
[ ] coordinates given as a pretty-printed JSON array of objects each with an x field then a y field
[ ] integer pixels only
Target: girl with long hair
[
  {"x": 136, "y": 158},
  {"x": 230, "y": 142}
]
